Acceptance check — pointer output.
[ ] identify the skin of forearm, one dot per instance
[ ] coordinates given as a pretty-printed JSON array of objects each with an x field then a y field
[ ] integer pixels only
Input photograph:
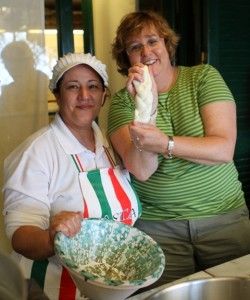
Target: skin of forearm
[
  {"x": 133, "y": 159},
  {"x": 142, "y": 164},
  {"x": 204, "y": 150},
  {"x": 32, "y": 242}
]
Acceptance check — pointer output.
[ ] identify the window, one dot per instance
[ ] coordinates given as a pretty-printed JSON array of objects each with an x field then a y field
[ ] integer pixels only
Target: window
[{"x": 51, "y": 36}]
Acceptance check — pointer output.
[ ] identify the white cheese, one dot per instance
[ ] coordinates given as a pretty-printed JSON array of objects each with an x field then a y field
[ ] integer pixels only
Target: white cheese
[{"x": 143, "y": 97}]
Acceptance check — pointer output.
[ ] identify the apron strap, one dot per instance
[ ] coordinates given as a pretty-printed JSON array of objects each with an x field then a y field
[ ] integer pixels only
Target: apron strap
[
  {"x": 110, "y": 157},
  {"x": 78, "y": 163}
]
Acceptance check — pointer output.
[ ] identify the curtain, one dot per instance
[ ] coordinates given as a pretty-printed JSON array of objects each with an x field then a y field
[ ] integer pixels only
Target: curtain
[{"x": 23, "y": 75}]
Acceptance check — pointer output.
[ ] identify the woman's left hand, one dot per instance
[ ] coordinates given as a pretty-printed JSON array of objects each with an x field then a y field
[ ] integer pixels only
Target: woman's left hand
[{"x": 148, "y": 137}]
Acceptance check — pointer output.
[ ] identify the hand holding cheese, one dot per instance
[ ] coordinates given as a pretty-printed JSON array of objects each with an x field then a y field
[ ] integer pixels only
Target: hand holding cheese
[{"x": 143, "y": 97}]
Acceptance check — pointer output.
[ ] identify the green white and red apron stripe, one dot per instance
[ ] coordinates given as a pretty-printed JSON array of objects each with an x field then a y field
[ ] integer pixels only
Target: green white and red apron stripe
[
  {"x": 99, "y": 200},
  {"x": 79, "y": 165},
  {"x": 107, "y": 192},
  {"x": 91, "y": 202},
  {"x": 76, "y": 162},
  {"x": 67, "y": 286},
  {"x": 53, "y": 278},
  {"x": 124, "y": 199},
  {"x": 125, "y": 193},
  {"x": 52, "y": 283},
  {"x": 116, "y": 207},
  {"x": 38, "y": 271},
  {"x": 85, "y": 210}
]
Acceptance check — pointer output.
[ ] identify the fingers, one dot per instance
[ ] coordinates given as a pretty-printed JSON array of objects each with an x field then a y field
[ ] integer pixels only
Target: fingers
[
  {"x": 69, "y": 223},
  {"x": 135, "y": 73},
  {"x": 130, "y": 86},
  {"x": 145, "y": 137},
  {"x": 137, "y": 143},
  {"x": 70, "y": 226},
  {"x": 137, "y": 135}
]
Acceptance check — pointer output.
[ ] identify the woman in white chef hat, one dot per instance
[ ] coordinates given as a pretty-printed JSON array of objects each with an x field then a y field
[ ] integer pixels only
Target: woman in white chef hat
[{"x": 49, "y": 178}]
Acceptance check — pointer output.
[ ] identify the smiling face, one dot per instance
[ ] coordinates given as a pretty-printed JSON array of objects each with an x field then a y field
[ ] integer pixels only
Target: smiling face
[
  {"x": 80, "y": 97},
  {"x": 149, "y": 48}
]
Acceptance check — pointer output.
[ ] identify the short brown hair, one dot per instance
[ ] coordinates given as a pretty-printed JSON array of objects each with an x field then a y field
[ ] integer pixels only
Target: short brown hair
[{"x": 133, "y": 23}]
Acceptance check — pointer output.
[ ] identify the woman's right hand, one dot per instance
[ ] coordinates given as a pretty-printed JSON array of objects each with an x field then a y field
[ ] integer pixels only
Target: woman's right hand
[
  {"x": 68, "y": 222},
  {"x": 40, "y": 242},
  {"x": 136, "y": 73}
]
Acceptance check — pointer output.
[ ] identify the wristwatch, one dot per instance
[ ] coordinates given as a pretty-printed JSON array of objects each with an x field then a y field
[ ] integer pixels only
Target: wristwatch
[{"x": 170, "y": 147}]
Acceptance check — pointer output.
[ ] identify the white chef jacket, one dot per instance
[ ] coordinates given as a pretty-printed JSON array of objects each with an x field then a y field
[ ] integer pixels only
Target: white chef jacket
[{"x": 41, "y": 179}]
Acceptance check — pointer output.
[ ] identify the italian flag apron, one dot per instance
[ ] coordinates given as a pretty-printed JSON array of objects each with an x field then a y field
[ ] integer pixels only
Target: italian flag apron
[{"x": 107, "y": 193}]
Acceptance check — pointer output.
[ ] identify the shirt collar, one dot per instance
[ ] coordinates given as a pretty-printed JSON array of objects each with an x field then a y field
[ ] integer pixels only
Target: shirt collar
[{"x": 69, "y": 142}]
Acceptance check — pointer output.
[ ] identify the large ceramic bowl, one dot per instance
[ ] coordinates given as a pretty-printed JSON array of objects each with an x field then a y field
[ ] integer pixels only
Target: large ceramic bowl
[{"x": 109, "y": 260}]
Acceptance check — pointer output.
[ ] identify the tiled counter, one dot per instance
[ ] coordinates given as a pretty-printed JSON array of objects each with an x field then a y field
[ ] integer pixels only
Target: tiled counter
[{"x": 239, "y": 267}]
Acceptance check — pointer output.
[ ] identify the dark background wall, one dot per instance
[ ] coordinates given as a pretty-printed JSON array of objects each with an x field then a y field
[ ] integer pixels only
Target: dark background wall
[
  {"x": 217, "y": 32},
  {"x": 229, "y": 50}
]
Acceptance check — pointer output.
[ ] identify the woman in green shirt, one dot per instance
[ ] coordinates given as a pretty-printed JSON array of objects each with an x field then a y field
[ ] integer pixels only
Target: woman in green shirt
[{"x": 181, "y": 159}]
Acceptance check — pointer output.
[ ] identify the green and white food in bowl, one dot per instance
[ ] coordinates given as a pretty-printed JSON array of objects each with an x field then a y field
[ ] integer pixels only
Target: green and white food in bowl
[{"x": 110, "y": 260}]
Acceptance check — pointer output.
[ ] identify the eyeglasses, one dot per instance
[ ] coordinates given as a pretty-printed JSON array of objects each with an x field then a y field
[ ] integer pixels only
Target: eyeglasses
[{"x": 136, "y": 48}]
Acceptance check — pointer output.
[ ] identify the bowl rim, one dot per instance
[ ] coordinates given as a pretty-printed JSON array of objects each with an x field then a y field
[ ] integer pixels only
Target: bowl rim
[
  {"x": 108, "y": 282},
  {"x": 196, "y": 281}
]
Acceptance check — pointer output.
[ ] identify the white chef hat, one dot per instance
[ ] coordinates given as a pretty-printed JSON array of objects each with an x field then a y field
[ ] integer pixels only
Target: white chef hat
[{"x": 71, "y": 60}]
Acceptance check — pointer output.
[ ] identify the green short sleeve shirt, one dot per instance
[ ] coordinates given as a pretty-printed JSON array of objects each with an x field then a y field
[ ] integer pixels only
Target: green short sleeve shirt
[{"x": 180, "y": 189}]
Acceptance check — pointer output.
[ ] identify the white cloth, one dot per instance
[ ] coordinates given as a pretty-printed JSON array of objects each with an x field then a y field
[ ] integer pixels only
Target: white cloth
[
  {"x": 41, "y": 179},
  {"x": 144, "y": 97}
]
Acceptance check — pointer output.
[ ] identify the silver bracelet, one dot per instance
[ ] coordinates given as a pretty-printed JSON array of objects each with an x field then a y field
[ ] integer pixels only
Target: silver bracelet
[{"x": 170, "y": 147}]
